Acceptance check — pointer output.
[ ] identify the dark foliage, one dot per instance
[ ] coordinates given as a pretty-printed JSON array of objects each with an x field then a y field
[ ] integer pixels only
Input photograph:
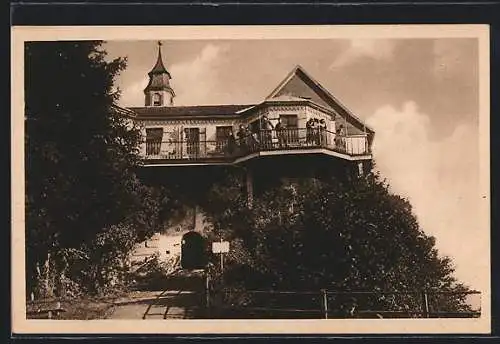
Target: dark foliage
[
  {"x": 345, "y": 236},
  {"x": 83, "y": 200}
]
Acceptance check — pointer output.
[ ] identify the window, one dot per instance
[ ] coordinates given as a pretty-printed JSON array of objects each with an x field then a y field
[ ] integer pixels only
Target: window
[
  {"x": 291, "y": 130},
  {"x": 154, "y": 137},
  {"x": 221, "y": 136},
  {"x": 255, "y": 126},
  {"x": 192, "y": 140},
  {"x": 157, "y": 99},
  {"x": 289, "y": 121}
]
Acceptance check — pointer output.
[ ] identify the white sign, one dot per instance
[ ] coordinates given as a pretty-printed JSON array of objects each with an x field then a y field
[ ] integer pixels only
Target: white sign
[{"x": 220, "y": 247}]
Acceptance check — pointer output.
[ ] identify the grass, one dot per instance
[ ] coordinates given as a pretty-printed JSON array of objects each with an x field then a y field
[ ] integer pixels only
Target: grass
[
  {"x": 100, "y": 307},
  {"x": 89, "y": 307},
  {"x": 81, "y": 308}
]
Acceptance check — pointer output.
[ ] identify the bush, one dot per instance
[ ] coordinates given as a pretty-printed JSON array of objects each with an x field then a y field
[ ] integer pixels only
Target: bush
[{"x": 352, "y": 235}]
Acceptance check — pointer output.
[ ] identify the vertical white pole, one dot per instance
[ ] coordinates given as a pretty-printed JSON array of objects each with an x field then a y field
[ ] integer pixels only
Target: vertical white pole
[
  {"x": 325, "y": 303},
  {"x": 425, "y": 306},
  {"x": 365, "y": 140},
  {"x": 344, "y": 134},
  {"x": 207, "y": 292},
  {"x": 221, "y": 258}
]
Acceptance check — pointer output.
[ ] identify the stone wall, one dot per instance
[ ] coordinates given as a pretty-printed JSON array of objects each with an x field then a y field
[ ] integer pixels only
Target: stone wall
[{"x": 168, "y": 242}]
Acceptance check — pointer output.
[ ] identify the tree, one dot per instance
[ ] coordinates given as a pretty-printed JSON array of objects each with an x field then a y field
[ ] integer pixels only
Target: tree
[
  {"x": 346, "y": 236},
  {"x": 81, "y": 155}
]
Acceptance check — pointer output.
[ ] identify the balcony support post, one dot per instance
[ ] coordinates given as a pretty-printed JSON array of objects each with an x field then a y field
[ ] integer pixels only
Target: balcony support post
[{"x": 249, "y": 185}]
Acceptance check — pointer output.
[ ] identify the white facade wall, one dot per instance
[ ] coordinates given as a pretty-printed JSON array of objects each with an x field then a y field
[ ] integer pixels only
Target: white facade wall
[
  {"x": 174, "y": 134},
  {"x": 168, "y": 243},
  {"x": 173, "y": 140},
  {"x": 356, "y": 144}
]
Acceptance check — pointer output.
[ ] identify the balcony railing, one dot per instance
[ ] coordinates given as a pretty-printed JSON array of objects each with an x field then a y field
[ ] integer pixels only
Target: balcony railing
[{"x": 260, "y": 141}]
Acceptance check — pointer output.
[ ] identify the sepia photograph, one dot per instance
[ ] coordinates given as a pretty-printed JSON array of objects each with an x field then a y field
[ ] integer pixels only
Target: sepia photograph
[{"x": 270, "y": 179}]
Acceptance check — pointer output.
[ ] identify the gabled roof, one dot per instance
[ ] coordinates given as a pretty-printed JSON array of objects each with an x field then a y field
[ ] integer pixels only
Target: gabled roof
[
  {"x": 319, "y": 92},
  {"x": 287, "y": 100},
  {"x": 167, "y": 112}
]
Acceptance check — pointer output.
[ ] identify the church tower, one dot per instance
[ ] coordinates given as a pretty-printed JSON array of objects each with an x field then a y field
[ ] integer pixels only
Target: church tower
[{"x": 158, "y": 91}]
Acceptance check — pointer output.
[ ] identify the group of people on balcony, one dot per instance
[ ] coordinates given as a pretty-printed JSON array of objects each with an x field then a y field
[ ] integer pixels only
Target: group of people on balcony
[
  {"x": 316, "y": 131},
  {"x": 251, "y": 138},
  {"x": 247, "y": 139}
]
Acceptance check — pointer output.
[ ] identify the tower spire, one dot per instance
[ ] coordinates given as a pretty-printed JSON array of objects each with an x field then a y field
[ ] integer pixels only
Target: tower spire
[
  {"x": 158, "y": 92},
  {"x": 159, "y": 67}
]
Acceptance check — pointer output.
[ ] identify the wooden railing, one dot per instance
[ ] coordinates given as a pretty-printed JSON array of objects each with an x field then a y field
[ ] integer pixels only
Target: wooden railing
[{"x": 262, "y": 140}]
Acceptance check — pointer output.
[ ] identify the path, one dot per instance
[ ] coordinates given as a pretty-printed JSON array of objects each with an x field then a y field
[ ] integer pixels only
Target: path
[{"x": 182, "y": 297}]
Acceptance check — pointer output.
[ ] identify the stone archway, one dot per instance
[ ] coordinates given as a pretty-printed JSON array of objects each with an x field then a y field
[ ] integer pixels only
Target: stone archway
[{"x": 193, "y": 251}]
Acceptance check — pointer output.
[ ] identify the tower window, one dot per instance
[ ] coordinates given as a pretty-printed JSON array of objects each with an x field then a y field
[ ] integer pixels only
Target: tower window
[{"x": 157, "y": 99}]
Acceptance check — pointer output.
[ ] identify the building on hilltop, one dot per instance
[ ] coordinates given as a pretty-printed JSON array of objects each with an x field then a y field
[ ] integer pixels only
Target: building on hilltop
[{"x": 299, "y": 129}]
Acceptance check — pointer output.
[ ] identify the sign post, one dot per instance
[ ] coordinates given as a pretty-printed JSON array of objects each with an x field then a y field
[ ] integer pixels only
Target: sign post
[
  {"x": 221, "y": 260},
  {"x": 221, "y": 248}
]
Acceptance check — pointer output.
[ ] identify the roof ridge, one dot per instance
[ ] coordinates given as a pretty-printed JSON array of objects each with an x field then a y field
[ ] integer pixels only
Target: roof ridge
[
  {"x": 184, "y": 106},
  {"x": 299, "y": 69},
  {"x": 336, "y": 100}
]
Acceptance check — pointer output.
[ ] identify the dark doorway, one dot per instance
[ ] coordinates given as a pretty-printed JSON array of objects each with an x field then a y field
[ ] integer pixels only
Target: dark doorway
[{"x": 193, "y": 252}]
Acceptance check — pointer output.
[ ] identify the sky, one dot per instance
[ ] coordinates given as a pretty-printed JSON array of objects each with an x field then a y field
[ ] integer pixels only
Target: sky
[{"x": 421, "y": 96}]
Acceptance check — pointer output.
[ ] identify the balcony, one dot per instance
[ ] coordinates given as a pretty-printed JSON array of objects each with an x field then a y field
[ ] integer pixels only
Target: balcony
[{"x": 259, "y": 143}]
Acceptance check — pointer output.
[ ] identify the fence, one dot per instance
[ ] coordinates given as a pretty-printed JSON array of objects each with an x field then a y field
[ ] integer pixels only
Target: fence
[
  {"x": 261, "y": 140},
  {"x": 340, "y": 304}
]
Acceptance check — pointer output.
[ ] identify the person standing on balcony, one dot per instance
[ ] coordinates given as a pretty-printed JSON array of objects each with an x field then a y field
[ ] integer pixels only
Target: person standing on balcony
[
  {"x": 314, "y": 131},
  {"x": 309, "y": 131},
  {"x": 242, "y": 137},
  {"x": 339, "y": 137},
  {"x": 247, "y": 137},
  {"x": 322, "y": 131},
  {"x": 231, "y": 143},
  {"x": 267, "y": 127},
  {"x": 253, "y": 138},
  {"x": 280, "y": 133}
]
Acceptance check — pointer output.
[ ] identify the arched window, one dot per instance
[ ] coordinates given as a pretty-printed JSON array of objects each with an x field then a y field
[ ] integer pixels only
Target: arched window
[{"x": 157, "y": 99}]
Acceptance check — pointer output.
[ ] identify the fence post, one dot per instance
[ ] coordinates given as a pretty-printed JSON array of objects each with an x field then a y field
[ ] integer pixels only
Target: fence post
[
  {"x": 207, "y": 293},
  {"x": 325, "y": 302},
  {"x": 425, "y": 304}
]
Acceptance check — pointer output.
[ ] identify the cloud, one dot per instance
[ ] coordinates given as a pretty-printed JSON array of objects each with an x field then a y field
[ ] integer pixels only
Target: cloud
[
  {"x": 195, "y": 81},
  {"x": 377, "y": 49},
  {"x": 449, "y": 57},
  {"x": 133, "y": 94},
  {"x": 440, "y": 179}
]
